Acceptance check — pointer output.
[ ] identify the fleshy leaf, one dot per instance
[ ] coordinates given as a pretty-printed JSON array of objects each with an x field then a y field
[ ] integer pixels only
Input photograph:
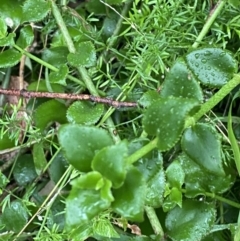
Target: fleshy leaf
[
  {"x": 151, "y": 168},
  {"x": 197, "y": 182},
  {"x": 180, "y": 82},
  {"x": 175, "y": 175},
  {"x": 17, "y": 212},
  {"x": 56, "y": 56},
  {"x": 202, "y": 144},
  {"x": 89, "y": 180},
  {"x": 39, "y": 159},
  {"x": 148, "y": 98},
  {"x": 81, "y": 143},
  {"x": 174, "y": 198},
  {"x": 83, "y": 205},
  {"x": 8, "y": 41},
  {"x": 59, "y": 77},
  {"x": 165, "y": 118},
  {"x": 34, "y": 11},
  {"x": 13, "y": 13},
  {"x": 105, "y": 229},
  {"x": 3, "y": 28},
  {"x": 86, "y": 113},
  {"x": 110, "y": 162},
  {"x": 212, "y": 66},
  {"x": 26, "y": 37},
  {"x": 85, "y": 55},
  {"x": 50, "y": 111},
  {"x": 130, "y": 197},
  {"x": 191, "y": 222},
  {"x": 9, "y": 58},
  {"x": 24, "y": 170}
]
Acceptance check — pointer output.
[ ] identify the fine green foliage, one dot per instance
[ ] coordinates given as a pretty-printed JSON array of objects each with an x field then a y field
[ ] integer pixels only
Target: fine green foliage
[{"x": 166, "y": 169}]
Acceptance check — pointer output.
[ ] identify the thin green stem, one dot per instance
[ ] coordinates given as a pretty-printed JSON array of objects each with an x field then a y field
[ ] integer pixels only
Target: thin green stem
[
  {"x": 219, "y": 198},
  {"x": 213, "y": 15},
  {"x": 143, "y": 151},
  {"x": 153, "y": 219},
  {"x": 63, "y": 28},
  {"x": 214, "y": 100},
  {"x": 47, "y": 65}
]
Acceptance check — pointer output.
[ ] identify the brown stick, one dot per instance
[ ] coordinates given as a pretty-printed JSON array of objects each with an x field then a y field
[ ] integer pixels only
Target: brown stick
[{"x": 34, "y": 94}]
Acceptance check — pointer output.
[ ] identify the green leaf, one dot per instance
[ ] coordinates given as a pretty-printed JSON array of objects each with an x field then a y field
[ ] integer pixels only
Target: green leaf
[
  {"x": 89, "y": 180},
  {"x": 6, "y": 142},
  {"x": 130, "y": 197},
  {"x": 191, "y": 222},
  {"x": 174, "y": 198},
  {"x": 234, "y": 3},
  {"x": 111, "y": 163},
  {"x": 58, "y": 167},
  {"x": 148, "y": 98},
  {"x": 8, "y": 41},
  {"x": 3, "y": 180},
  {"x": 81, "y": 143},
  {"x": 104, "y": 228},
  {"x": 85, "y": 55},
  {"x": 82, "y": 232},
  {"x": 151, "y": 168},
  {"x": 165, "y": 118},
  {"x": 202, "y": 144},
  {"x": 14, "y": 14},
  {"x": 26, "y": 37},
  {"x": 55, "y": 56},
  {"x": 9, "y": 58},
  {"x": 198, "y": 182},
  {"x": 24, "y": 170},
  {"x": 109, "y": 26},
  {"x": 85, "y": 113},
  {"x": 3, "y": 29},
  {"x": 34, "y": 11},
  {"x": 17, "y": 212},
  {"x": 83, "y": 205},
  {"x": 39, "y": 159},
  {"x": 180, "y": 82},
  {"x": 48, "y": 112},
  {"x": 175, "y": 175},
  {"x": 232, "y": 138},
  {"x": 59, "y": 77},
  {"x": 212, "y": 66}
]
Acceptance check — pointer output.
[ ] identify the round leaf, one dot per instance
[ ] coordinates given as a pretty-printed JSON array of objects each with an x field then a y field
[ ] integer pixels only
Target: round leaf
[
  {"x": 87, "y": 181},
  {"x": 55, "y": 56},
  {"x": 180, "y": 82},
  {"x": 86, "y": 113},
  {"x": 85, "y": 55},
  {"x": 130, "y": 197},
  {"x": 212, "y": 66},
  {"x": 191, "y": 222},
  {"x": 110, "y": 162},
  {"x": 26, "y": 37},
  {"x": 175, "y": 174},
  {"x": 198, "y": 182},
  {"x": 50, "y": 111},
  {"x": 83, "y": 205},
  {"x": 151, "y": 168},
  {"x": 201, "y": 143},
  {"x": 24, "y": 171},
  {"x": 15, "y": 216},
  {"x": 165, "y": 118},
  {"x": 35, "y": 10},
  {"x": 81, "y": 143},
  {"x": 59, "y": 77},
  {"x": 9, "y": 58}
]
